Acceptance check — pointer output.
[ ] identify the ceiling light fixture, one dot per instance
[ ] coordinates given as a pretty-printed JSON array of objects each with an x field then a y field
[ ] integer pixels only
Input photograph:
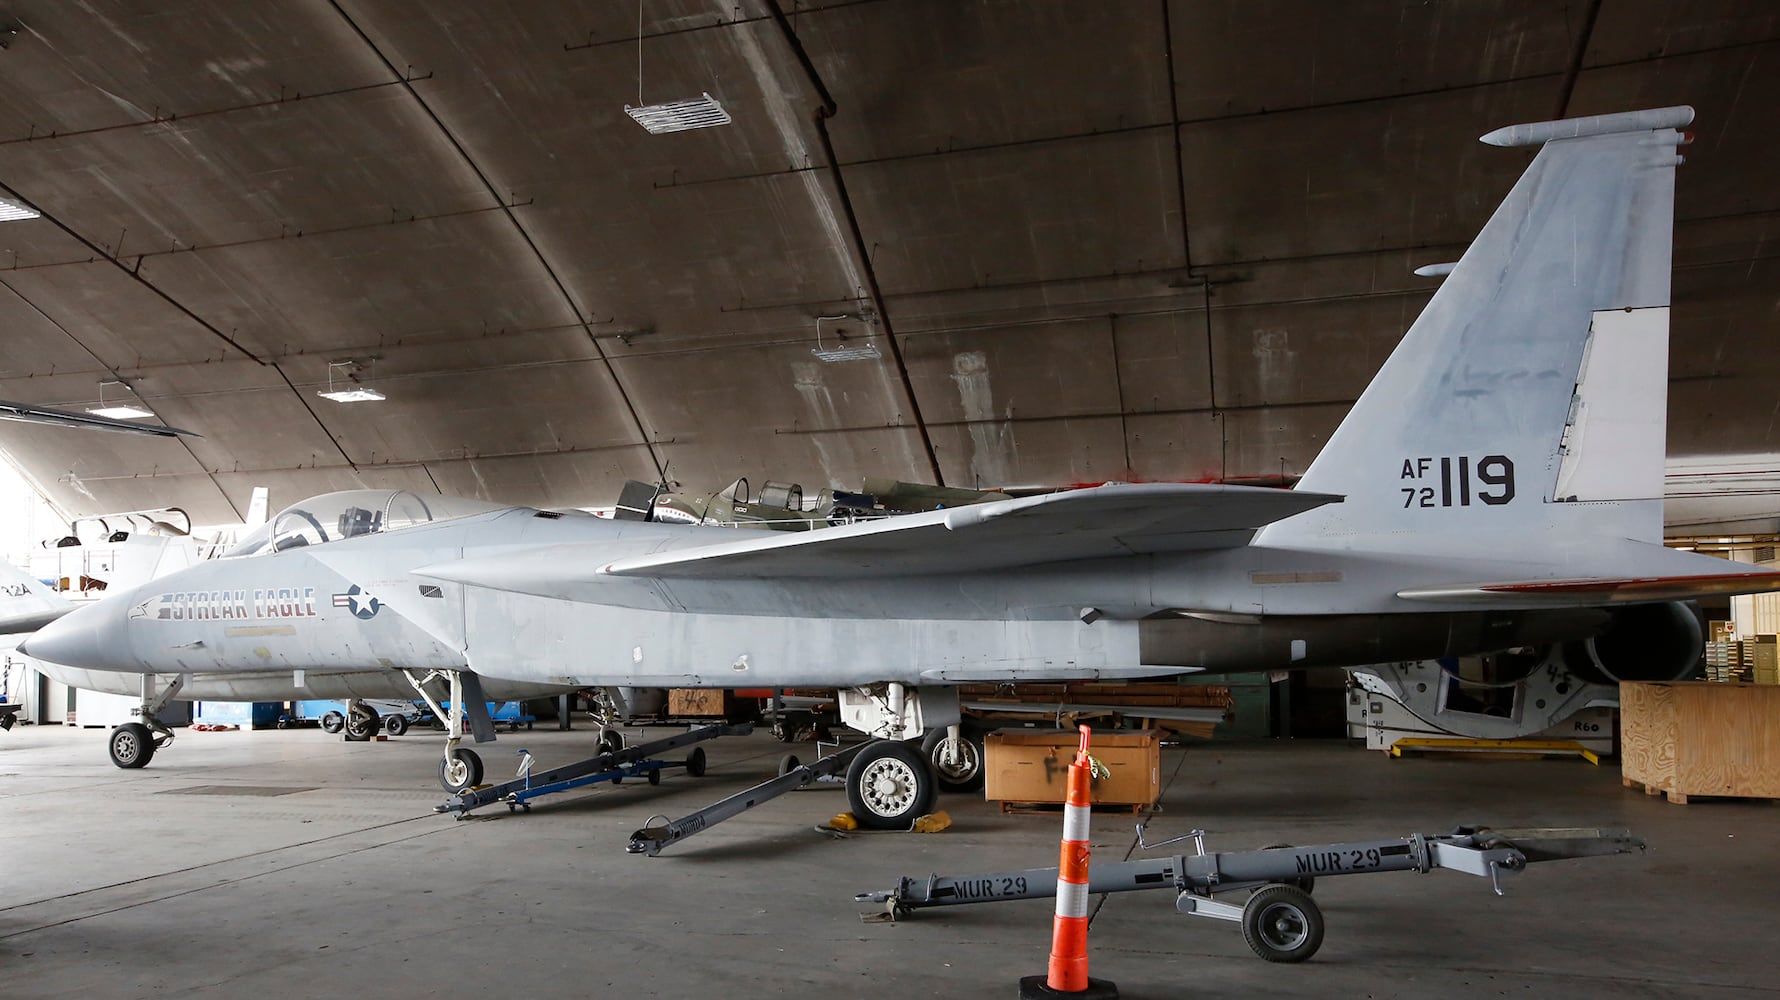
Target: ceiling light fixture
[
  {"x": 679, "y": 116},
  {"x": 351, "y": 392},
  {"x": 842, "y": 351},
  {"x": 116, "y": 411},
  {"x": 672, "y": 116},
  {"x": 13, "y": 210}
]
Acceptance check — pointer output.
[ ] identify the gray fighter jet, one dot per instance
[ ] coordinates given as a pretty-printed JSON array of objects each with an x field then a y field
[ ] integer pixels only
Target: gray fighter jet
[
  {"x": 1497, "y": 485},
  {"x": 27, "y": 604}
]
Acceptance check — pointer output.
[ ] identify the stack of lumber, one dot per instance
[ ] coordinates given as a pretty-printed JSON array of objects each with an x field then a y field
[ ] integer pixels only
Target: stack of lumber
[{"x": 1128, "y": 699}]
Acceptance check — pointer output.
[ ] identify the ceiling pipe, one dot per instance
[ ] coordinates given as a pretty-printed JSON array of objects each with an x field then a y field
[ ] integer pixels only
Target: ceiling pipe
[{"x": 824, "y": 111}]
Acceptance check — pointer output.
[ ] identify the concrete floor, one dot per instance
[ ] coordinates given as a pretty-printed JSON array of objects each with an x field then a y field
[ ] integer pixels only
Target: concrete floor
[{"x": 294, "y": 864}]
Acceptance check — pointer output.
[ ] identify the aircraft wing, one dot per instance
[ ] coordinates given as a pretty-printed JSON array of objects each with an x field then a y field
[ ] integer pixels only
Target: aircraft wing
[
  {"x": 1113, "y": 520},
  {"x": 26, "y": 604},
  {"x": 86, "y": 421},
  {"x": 31, "y": 622}
]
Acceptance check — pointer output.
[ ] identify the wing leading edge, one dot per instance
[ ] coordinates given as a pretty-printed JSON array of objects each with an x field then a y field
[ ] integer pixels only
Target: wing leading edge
[
  {"x": 1099, "y": 522},
  {"x": 1102, "y": 521}
]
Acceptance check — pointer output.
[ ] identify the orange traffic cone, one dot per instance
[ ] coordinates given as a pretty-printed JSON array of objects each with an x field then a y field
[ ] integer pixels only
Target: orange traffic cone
[{"x": 1068, "y": 974}]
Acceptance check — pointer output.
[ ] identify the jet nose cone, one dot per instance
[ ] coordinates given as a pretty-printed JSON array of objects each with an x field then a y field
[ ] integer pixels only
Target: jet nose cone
[{"x": 91, "y": 637}]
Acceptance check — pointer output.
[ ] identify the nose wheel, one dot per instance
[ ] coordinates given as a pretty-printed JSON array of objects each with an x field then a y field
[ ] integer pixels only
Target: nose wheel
[
  {"x": 460, "y": 769},
  {"x": 132, "y": 745}
]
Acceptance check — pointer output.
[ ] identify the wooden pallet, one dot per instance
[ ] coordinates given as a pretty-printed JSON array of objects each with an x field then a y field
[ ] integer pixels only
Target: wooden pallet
[
  {"x": 1502, "y": 749},
  {"x": 1056, "y": 808},
  {"x": 1682, "y": 798}
]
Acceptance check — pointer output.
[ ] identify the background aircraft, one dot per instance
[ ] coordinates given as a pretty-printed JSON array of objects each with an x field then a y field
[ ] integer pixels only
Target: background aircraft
[{"x": 1497, "y": 485}]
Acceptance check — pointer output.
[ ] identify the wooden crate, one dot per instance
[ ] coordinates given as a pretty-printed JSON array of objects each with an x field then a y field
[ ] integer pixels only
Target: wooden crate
[
  {"x": 697, "y": 701},
  {"x": 1032, "y": 765},
  {"x": 1683, "y": 738}
]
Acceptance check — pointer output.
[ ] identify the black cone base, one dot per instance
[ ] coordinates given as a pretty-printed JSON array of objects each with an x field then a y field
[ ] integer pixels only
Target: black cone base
[{"x": 1036, "y": 988}]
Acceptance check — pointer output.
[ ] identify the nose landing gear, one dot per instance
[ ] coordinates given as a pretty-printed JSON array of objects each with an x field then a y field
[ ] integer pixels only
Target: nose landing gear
[
  {"x": 133, "y": 744},
  {"x": 460, "y": 768}
]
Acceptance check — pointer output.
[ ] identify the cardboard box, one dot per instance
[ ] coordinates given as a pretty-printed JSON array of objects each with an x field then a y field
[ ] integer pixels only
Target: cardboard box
[
  {"x": 1032, "y": 765},
  {"x": 1699, "y": 738}
]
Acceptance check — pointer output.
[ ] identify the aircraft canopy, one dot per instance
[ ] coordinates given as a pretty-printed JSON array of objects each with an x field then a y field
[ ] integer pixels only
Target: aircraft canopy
[{"x": 350, "y": 513}]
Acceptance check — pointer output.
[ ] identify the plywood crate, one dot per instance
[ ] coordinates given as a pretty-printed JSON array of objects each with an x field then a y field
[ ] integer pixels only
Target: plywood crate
[
  {"x": 1683, "y": 738},
  {"x": 1032, "y": 765},
  {"x": 697, "y": 701}
]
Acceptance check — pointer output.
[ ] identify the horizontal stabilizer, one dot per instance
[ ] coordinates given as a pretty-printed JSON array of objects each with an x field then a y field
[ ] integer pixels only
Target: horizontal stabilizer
[
  {"x": 1622, "y": 590},
  {"x": 1103, "y": 521},
  {"x": 1048, "y": 673}
]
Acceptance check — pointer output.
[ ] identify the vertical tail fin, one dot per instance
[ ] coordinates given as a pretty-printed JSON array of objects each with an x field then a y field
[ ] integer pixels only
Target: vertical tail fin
[
  {"x": 1529, "y": 397},
  {"x": 256, "y": 507}
]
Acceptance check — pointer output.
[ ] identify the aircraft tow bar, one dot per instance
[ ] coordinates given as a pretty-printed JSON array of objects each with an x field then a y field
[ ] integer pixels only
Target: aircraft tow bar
[
  {"x": 651, "y": 839},
  {"x": 640, "y": 761},
  {"x": 1280, "y": 921}
]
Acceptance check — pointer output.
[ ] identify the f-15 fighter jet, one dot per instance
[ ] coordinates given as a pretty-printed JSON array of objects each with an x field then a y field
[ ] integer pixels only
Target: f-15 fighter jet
[{"x": 1497, "y": 485}]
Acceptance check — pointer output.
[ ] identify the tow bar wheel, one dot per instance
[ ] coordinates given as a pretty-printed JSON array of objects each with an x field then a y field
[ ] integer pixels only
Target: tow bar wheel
[
  {"x": 1281, "y": 923},
  {"x": 889, "y": 785}
]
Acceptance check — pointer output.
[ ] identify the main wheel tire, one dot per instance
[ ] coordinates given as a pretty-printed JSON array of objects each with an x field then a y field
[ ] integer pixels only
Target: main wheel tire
[
  {"x": 1281, "y": 923},
  {"x": 460, "y": 770},
  {"x": 889, "y": 784},
  {"x": 967, "y": 775},
  {"x": 333, "y": 722},
  {"x": 132, "y": 745},
  {"x": 395, "y": 725},
  {"x": 362, "y": 726}
]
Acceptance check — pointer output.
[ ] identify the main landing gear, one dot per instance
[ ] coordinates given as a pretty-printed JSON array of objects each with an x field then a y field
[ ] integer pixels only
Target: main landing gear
[
  {"x": 362, "y": 721},
  {"x": 956, "y": 754},
  {"x": 894, "y": 781},
  {"x": 889, "y": 786},
  {"x": 133, "y": 744}
]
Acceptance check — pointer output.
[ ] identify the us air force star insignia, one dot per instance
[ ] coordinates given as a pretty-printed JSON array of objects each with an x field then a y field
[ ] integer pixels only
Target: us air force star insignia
[{"x": 359, "y": 602}]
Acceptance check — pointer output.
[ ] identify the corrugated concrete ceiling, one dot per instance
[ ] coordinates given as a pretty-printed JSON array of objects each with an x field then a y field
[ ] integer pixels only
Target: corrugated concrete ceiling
[{"x": 1126, "y": 239}]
